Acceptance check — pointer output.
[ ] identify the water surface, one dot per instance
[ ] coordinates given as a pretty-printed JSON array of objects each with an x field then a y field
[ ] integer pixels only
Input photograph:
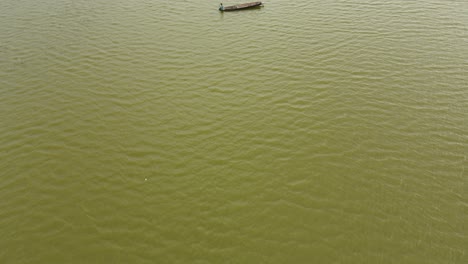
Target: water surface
[{"x": 162, "y": 131}]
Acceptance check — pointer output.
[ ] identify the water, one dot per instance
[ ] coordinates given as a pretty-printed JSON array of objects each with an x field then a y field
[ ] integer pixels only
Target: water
[{"x": 167, "y": 132}]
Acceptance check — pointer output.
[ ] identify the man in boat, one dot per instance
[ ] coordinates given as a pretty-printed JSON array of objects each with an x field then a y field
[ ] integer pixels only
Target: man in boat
[{"x": 221, "y": 7}]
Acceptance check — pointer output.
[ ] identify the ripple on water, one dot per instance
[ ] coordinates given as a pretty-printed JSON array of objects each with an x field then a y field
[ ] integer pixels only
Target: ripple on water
[{"x": 144, "y": 131}]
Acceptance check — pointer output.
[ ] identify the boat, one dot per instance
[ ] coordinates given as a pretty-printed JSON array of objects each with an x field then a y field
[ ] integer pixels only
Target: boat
[{"x": 239, "y": 6}]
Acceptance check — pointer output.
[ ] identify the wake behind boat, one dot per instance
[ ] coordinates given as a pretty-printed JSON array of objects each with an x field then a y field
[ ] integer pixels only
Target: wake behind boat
[{"x": 239, "y": 6}]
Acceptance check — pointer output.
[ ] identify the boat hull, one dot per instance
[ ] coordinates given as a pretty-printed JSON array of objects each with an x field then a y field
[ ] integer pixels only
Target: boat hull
[{"x": 241, "y": 6}]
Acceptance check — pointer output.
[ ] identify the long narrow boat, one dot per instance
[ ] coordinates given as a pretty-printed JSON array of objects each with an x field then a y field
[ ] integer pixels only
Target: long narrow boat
[{"x": 239, "y": 6}]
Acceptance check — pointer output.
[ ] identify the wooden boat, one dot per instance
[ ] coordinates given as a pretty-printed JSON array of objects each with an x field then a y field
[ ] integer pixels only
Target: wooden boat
[{"x": 239, "y": 6}]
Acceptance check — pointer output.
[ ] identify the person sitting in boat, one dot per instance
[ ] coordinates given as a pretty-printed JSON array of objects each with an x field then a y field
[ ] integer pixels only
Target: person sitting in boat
[{"x": 221, "y": 7}]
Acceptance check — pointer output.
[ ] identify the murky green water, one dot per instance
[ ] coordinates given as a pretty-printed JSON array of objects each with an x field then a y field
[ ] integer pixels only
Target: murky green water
[{"x": 159, "y": 131}]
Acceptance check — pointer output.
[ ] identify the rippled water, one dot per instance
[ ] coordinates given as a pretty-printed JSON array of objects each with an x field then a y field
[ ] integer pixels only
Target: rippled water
[{"x": 163, "y": 131}]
